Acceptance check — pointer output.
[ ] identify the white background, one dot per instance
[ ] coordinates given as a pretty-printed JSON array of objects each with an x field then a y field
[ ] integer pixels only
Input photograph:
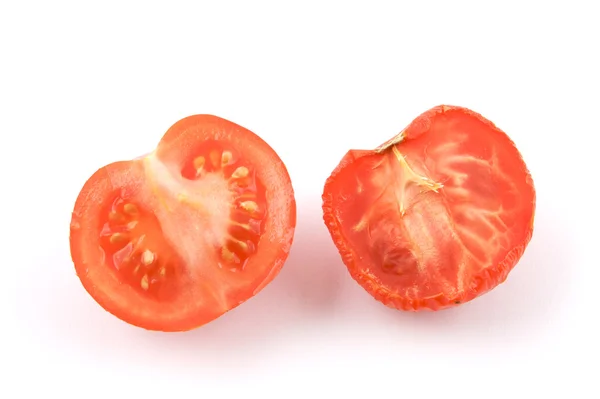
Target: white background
[{"x": 85, "y": 85}]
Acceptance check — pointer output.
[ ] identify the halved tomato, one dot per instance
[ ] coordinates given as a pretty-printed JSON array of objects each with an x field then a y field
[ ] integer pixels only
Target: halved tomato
[
  {"x": 174, "y": 239},
  {"x": 436, "y": 216}
]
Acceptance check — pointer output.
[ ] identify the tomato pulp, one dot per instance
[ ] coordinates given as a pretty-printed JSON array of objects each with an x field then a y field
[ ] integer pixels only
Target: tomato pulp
[
  {"x": 175, "y": 239},
  {"x": 436, "y": 216}
]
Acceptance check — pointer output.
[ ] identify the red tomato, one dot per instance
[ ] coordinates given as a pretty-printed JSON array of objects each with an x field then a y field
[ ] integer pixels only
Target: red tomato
[
  {"x": 173, "y": 240},
  {"x": 436, "y": 216}
]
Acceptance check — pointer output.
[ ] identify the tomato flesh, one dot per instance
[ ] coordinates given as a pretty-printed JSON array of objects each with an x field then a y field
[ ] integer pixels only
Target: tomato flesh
[
  {"x": 176, "y": 238},
  {"x": 436, "y": 216}
]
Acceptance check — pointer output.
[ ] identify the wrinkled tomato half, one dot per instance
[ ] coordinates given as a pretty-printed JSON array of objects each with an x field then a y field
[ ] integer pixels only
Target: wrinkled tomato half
[
  {"x": 174, "y": 239},
  {"x": 436, "y": 216}
]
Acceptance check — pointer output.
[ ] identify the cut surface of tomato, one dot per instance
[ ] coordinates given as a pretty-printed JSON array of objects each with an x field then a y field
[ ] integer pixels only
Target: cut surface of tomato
[
  {"x": 174, "y": 239},
  {"x": 436, "y": 216}
]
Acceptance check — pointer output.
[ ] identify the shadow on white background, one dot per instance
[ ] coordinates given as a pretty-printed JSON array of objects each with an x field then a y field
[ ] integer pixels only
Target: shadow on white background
[{"x": 313, "y": 303}]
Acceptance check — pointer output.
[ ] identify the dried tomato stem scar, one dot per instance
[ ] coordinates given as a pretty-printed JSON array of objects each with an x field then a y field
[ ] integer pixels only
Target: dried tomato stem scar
[
  {"x": 434, "y": 217},
  {"x": 175, "y": 239}
]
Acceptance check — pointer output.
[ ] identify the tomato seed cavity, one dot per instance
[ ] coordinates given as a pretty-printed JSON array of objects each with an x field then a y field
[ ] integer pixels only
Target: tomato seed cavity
[{"x": 126, "y": 240}]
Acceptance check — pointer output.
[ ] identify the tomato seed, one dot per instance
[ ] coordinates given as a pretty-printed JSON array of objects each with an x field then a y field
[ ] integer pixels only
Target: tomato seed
[
  {"x": 130, "y": 209},
  {"x": 115, "y": 217},
  {"x": 249, "y": 206},
  {"x": 147, "y": 257},
  {"x": 240, "y": 172},
  {"x": 117, "y": 238},
  {"x": 225, "y": 158},
  {"x": 227, "y": 255},
  {"x": 199, "y": 162}
]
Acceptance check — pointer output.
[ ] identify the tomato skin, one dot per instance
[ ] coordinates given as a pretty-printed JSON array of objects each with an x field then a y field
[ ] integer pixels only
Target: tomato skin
[
  {"x": 197, "y": 300},
  {"x": 483, "y": 281}
]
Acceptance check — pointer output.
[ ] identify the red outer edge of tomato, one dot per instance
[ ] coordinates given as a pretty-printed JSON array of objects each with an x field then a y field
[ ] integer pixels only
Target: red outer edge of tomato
[{"x": 486, "y": 280}]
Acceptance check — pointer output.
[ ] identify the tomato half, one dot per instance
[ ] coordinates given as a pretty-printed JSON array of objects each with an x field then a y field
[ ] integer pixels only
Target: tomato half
[
  {"x": 174, "y": 239},
  {"x": 436, "y": 216}
]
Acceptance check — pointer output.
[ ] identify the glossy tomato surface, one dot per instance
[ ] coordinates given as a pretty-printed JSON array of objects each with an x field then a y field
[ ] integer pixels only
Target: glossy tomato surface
[
  {"x": 174, "y": 239},
  {"x": 436, "y": 216}
]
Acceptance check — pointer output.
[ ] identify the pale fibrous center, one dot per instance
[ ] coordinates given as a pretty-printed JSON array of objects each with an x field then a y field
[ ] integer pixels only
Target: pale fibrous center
[
  {"x": 219, "y": 198},
  {"x": 404, "y": 179}
]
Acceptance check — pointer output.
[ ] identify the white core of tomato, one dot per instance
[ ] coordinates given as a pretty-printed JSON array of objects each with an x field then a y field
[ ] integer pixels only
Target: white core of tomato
[{"x": 202, "y": 207}]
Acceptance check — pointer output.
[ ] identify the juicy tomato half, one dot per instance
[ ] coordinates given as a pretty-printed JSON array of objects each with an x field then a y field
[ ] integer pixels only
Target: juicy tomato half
[
  {"x": 174, "y": 239},
  {"x": 436, "y": 216}
]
